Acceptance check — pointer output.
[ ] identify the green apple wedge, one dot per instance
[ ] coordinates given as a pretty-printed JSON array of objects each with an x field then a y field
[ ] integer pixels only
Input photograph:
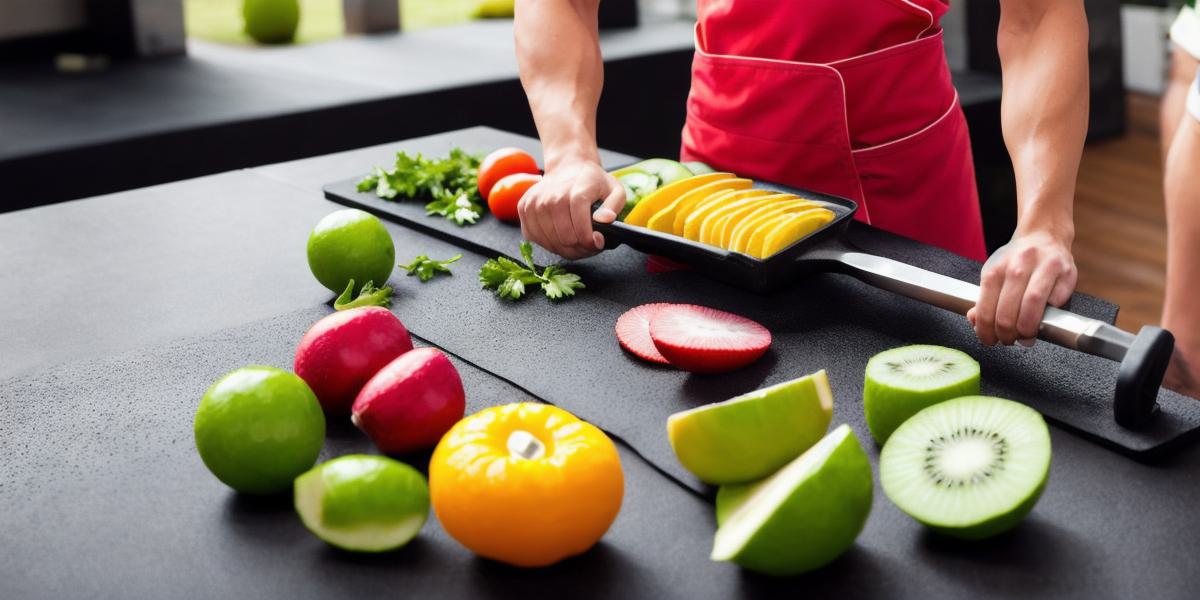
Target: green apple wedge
[
  {"x": 802, "y": 517},
  {"x": 751, "y": 436},
  {"x": 363, "y": 503}
]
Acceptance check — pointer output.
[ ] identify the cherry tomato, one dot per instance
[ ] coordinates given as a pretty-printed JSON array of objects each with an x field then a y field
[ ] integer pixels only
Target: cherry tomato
[
  {"x": 507, "y": 193},
  {"x": 501, "y": 163}
]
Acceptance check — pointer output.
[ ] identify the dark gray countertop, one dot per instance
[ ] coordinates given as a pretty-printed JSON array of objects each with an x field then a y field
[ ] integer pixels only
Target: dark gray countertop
[{"x": 121, "y": 309}]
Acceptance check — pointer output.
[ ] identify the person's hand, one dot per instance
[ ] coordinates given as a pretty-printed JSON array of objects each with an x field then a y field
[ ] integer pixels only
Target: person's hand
[
  {"x": 1017, "y": 282},
  {"x": 556, "y": 213}
]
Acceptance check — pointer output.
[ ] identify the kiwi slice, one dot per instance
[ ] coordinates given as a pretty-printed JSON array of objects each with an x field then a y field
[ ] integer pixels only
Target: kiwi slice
[
  {"x": 902, "y": 381},
  {"x": 971, "y": 467}
]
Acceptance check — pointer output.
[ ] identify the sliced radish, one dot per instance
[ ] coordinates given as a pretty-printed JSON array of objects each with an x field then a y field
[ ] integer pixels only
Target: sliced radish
[
  {"x": 707, "y": 340},
  {"x": 633, "y": 332}
]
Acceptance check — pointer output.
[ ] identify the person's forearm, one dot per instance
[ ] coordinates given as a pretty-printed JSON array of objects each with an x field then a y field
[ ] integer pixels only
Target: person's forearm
[
  {"x": 1183, "y": 237},
  {"x": 1044, "y": 112},
  {"x": 558, "y": 52}
]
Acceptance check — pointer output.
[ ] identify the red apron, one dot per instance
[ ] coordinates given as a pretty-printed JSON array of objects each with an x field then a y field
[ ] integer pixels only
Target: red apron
[{"x": 847, "y": 97}]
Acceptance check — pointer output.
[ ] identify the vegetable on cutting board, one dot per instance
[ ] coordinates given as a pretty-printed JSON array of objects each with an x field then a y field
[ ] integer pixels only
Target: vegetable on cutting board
[
  {"x": 449, "y": 185},
  {"x": 508, "y": 278}
]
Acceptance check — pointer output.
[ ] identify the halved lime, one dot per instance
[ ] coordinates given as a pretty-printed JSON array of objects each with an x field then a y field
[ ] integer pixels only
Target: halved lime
[
  {"x": 259, "y": 427},
  {"x": 363, "y": 503}
]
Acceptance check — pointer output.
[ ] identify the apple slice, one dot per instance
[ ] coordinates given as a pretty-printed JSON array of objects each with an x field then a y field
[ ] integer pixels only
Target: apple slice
[
  {"x": 753, "y": 435},
  {"x": 802, "y": 517}
]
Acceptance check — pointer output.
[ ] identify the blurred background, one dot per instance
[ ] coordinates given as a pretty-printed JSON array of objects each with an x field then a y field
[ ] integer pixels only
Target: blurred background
[{"x": 98, "y": 96}]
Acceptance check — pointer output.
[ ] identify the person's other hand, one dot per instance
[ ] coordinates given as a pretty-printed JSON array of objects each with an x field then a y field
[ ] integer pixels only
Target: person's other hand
[
  {"x": 1017, "y": 283},
  {"x": 556, "y": 213}
]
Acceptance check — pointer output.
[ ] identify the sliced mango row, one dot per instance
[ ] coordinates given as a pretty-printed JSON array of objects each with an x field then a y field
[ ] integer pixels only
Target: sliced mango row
[{"x": 722, "y": 210}]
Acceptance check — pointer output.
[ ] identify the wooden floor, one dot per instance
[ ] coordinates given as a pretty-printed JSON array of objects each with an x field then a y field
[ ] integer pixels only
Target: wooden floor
[{"x": 1120, "y": 226}]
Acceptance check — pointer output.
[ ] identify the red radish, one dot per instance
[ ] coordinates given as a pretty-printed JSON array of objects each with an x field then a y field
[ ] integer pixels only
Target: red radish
[
  {"x": 633, "y": 332},
  {"x": 411, "y": 403},
  {"x": 345, "y": 349},
  {"x": 707, "y": 340}
]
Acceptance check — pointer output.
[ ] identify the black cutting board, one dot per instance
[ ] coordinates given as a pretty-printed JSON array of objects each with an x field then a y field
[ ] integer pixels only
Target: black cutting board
[{"x": 824, "y": 321}]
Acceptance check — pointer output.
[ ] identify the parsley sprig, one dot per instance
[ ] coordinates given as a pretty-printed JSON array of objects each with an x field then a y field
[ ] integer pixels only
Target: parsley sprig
[
  {"x": 449, "y": 185},
  {"x": 425, "y": 268},
  {"x": 369, "y": 296},
  {"x": 509, "y": 278}
]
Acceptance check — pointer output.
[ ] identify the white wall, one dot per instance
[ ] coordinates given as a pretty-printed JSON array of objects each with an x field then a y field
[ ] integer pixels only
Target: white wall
[
  {"x": 22, "y": 18},
  {"x": 1146, "y": 49}
]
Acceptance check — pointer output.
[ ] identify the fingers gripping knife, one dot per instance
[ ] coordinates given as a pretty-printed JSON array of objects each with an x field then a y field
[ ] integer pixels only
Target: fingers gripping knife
[{"x": 1143, "y": 357}]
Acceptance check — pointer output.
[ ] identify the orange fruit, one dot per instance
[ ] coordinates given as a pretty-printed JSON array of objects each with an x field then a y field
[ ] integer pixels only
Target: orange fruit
[{"x": 526, "y": 484}]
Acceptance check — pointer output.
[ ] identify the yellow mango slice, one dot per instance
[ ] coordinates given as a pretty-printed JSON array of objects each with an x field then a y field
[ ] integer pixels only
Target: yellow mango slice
[
  {"x": 664, "y": 196},
  {"x": 703, "y": 205},
  {"x": 722, "y": 235},
  {"x": 793, "y": 229},
  {"x": 739, "y": 237},
  {"x": 713, "y": 221},
  {"x": 664, "y": 220},
  {"x": 693, "y": 222}
]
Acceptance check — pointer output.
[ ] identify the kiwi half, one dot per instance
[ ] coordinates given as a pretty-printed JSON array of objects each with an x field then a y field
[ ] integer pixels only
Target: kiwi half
[
  {"x": 902, "y": 381},
  {"x": 970, "y": 467}
]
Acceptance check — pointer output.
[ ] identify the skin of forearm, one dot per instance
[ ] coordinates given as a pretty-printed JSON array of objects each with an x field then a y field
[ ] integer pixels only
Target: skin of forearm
[
  {"x": 1044, "y": 107},
  {"x": 1183, "y": 238},
  {"x": 558, "y": 54}
]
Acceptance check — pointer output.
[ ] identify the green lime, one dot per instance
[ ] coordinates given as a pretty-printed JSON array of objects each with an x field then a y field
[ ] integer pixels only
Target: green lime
[
  {"x": 271, "y": 21},
  {"x": 363, "y": 503},
  {"x": 350, "y": 244},
  {"x": 257, "y": 428}
]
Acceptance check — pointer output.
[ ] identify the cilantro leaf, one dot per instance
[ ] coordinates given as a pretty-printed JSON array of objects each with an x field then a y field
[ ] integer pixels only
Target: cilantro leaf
[
  {"x": 510, "y": 278},
  {"x": 425, "y": 268},
  {"x": 369, "y": 296},
  {"x": 449, "y": 185}
]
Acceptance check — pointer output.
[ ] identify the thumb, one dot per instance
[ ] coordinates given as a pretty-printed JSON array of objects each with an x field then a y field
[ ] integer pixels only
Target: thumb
[{"x": 612, "y": 205}]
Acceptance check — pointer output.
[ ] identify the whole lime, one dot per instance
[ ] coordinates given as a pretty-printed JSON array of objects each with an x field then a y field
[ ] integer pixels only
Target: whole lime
[
  {"x": 271, "y": 21},
  {"x": 350, "y": 244},
  {"x": 257, "y": 428},
  {"x": 363, "y": 503}
]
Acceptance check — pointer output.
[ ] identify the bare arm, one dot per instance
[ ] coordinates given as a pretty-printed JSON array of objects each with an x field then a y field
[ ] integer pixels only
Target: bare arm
[
  {"x": 1180, "y": 314},
  {"x": 558, "y": 52},
  {"x": 1044, "y": 113}
]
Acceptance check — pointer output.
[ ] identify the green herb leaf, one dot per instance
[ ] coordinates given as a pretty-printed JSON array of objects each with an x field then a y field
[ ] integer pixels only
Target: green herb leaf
[
  {"x": 369, "y": 296},
  {"x": 449, "y": 185},
  {"x": 510, "y": 278},
  {"x": 425, "y": 268}
]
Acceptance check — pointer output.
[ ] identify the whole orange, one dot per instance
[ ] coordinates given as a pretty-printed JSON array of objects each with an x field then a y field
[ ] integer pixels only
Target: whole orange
[{"x": 526, "y": 484}]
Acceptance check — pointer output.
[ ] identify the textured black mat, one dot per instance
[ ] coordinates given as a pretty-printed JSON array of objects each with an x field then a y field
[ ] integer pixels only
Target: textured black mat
[
  {"x": 102, "y": 495},
  {"x": 825, "y": 321}
]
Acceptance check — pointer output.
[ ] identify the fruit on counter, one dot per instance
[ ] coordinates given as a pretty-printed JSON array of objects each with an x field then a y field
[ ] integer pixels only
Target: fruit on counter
[
  {"x": 706, "y": 340},
  {"x": 664, "y": 220},
  {"x": 665, "y": 195},
  {"x": 633, "y": 332},
  {"x": 343, "y": 350},
  {"x": 753, "y": 435},
  {"x": 501, "y": 163},
  {"x": 667, "y": 171},
  {"x": 504, "y": 196},
  {"x": 257, "y": 428},
  {"x": 902, "y": 381},
  {"x": 698, "y": 168},
  {"x": 448, "y": 185},
  {"x": 411, "y": 402},
  {"x": 802, "y": 517},
  {"x": 970, "y": 467},
  {"x": 508, "y": 277},
  {"x": 363, "y": 503},
  {"x": 368, "y": 296},
  {"x": 350, "y": 244},
  {"x": 271, "y": 21},
  {"x": 526, "y": 484},
  {"x": 425, "y": 268}
]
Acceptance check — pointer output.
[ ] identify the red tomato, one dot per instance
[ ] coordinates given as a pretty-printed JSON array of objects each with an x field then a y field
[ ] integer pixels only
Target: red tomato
[
  {"x": 501, "y": 163},
  {"x": 507, "y": 193}
]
